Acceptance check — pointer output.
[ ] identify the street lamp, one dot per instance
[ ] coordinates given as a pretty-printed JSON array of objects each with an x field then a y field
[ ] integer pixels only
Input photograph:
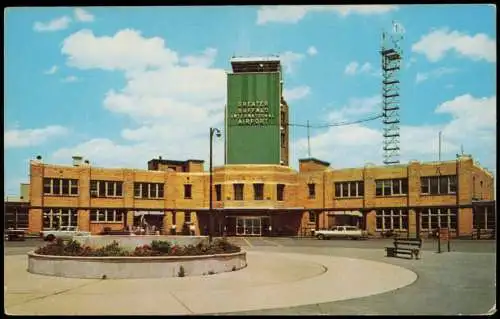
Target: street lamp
[{"x": 210, "y": 217}]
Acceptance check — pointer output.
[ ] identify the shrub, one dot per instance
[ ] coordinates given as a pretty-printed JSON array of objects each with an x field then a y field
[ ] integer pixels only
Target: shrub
[
  {"x": 161, "y": 246},
  {"x": 211, "y": 272},
  {"x": 181, "y": 272}
]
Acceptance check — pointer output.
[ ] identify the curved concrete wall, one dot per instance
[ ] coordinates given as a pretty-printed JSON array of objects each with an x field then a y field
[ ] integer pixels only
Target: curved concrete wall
[
  {"x": 133, "y": 267},
  {"x": 130, "y": 241}
]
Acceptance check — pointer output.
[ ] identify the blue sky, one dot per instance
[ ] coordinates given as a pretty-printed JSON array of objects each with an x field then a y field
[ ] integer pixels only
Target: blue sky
[{"x": 120, "y": 86}]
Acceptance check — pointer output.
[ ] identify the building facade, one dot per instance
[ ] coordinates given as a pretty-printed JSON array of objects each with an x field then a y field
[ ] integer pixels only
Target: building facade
[
  {"x": 265, "y": 200},
  {"x": 256, "y": 192}
]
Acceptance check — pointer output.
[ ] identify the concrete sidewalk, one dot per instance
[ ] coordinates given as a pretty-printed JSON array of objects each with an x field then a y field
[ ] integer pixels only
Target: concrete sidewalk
[{"x": 271, "y": 280}]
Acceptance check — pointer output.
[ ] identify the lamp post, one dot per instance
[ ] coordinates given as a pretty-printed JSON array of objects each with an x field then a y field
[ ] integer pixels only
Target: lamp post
[{"x": 210, "y": 216}]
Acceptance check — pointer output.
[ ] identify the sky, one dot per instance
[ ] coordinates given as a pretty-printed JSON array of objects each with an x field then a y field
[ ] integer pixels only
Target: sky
[{"x": 122, "y": 85}]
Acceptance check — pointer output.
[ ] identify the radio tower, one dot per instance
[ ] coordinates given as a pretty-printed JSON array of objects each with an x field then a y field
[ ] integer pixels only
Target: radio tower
[{"x": 391, "y": 64}]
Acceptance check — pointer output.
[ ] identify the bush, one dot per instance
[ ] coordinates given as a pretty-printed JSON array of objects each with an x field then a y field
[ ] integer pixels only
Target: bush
[
  {"x": 161, "y": 246},
  {"x": 157, "y": 248},
  {"x": 181, "y": 272}
]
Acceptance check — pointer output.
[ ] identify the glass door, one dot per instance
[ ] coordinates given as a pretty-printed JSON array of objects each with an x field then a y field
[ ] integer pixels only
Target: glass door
[
  {"x": 240, "y": 228},
  {"x": 256, "y": 226},
  {"x": 248, "y": 226}
]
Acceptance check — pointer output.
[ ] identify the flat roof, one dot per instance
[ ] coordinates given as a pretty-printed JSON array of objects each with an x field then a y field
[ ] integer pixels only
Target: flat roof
[
  {"x": 312, "y": 159},
  {"x": 256, "y": 59}
]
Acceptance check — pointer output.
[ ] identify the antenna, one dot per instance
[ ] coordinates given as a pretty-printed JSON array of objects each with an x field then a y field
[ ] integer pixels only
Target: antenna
[
  {"x": 308, "y": 141},
  {"x": 391, "y": 54},
  {"x": 439, "y": 155}
]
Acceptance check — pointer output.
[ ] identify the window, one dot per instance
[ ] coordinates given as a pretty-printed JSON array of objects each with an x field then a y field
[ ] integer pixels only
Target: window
[
  {"x": 258, "y": 191},
  {"x": 65, "y": 187},
  {"x": 161, "y": 191},
  {"x": 312, "y": 217},
  {"x": 484, "y": 218},
  {"x": 389, "y": 187},
  {"x": 283, "y": 140},
  {"x": 349, "y": 189},
  {"x": 47, "y": 185},
  {"x": 73, "y": 186},
  {"x": 218, "y": 192},
  {"x": 187, "y": 191},
  {"x": 54, "y": 218},
  {"x": 312, "y": 190},
  {"x": 432, "y": 218},
  {"x": 238, "y": 191},
  {"x": 338, "y": 189},
  {"x": 106, "y": 188},
  {"x": 280, "y": 190},
  {"x": 145, "y": 190},
  {"x": 106, "y": 215},
  {"x": 137, "y": 190},
  {"x": 438, "y": 185},
  {"x": 60, "y": 186},
  {"x": 378, "y": 187},
  {"x": 391, "y": 219},
  {"x": 149, "y": 190}
]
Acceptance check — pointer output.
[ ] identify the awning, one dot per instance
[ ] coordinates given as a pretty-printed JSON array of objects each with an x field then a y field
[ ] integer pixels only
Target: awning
[
  {"x": 145, "y": 212},
  {"x": 347, "y": 212}
]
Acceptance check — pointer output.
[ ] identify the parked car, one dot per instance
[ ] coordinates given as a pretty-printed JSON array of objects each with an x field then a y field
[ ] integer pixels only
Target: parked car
[
  {"x": 348, "y": 232},
  {"x": 14, "y": 234},
  {"x": 65, "y": 232}
]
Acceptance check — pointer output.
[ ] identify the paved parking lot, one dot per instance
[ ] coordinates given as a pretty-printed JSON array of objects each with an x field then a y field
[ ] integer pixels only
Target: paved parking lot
[{"x": 460, "y": 282}]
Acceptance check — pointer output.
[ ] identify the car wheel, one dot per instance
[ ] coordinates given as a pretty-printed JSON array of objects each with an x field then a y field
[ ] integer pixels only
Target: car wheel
[
  {"x": 321, "y": 237},
  {"x": 50, "y": 237}
]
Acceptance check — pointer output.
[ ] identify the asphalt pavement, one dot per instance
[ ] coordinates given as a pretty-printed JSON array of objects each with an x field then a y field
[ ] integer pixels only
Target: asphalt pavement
[{"x": 462, "y": 281}]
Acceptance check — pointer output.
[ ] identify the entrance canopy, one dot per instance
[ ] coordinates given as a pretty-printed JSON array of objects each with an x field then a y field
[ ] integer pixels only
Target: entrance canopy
[
  {"x": 145, "y": 212},
  {"x": 347, "y": 213}
]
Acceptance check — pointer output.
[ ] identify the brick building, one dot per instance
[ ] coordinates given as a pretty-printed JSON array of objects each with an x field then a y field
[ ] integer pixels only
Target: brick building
[
  {"x": 256, "y": 192},
  {"x": 263, "y": 200}
]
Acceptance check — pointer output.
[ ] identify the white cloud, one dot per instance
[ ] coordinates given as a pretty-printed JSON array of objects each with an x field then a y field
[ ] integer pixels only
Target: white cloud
[
  {"x": 126, "y": 50},
  {"x": 289, "y": 59},
  {"x": 296, "y": 93},
  {"x": 53, "y": 25},
  {"x": 293, "y": 14},
  {"x": 354, "y": 68},
  {"x": 312, "y": 51},
  {"x": 438, "y": 42},
  {"x": 472, "y": 123},
  {"x": 31, "y": 137},
  {"x": 52, "y": 70},
  {"x": 206, "y": 59},
  {"x": 356, "y": 107},
  {"x": 70, "y": 79},
  {"x": 167, "y": 96},
  {"x": 83, "y": 15},
  {"x": 351, "y": 68},
  {"x": 434, "y": 74}
]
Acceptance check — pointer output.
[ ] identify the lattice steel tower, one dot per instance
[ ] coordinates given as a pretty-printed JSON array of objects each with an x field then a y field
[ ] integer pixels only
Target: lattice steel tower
[{"x": 391, "y": 54}]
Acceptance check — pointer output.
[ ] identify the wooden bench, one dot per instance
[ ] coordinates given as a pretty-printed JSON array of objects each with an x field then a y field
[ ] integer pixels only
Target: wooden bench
[{"x": 405, "y": 246}]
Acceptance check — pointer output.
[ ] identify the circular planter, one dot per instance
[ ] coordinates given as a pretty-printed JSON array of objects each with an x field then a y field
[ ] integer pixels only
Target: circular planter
[{"x": 134, "y": 267}]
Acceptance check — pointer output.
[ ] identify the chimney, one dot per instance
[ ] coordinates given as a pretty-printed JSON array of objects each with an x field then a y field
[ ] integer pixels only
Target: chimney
[{"x": 77, "y": 160}]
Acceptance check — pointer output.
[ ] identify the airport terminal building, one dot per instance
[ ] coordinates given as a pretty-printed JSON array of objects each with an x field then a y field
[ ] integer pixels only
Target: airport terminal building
[{"x": 256, "y": 192}]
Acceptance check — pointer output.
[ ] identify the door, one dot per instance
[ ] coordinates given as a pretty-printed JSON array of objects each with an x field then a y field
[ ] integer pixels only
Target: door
[
  {"x": 257, "y": 230},
  {"x": 240, "y": 226}
]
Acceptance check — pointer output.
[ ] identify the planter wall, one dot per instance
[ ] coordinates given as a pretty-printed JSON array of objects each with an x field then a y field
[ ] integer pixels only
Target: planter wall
[{"x": 133, "y": 267}]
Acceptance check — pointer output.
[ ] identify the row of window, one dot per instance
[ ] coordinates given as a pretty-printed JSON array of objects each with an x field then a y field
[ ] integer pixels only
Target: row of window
[
  {"x": 258, "y": 191},
  {"x": 107, "y": 215},
  {"x": 484, "y": 218},
  {"x": 430, "y": 219},
  {"x": 60, "y": 186},
  {"x": 433, "y": 185}
]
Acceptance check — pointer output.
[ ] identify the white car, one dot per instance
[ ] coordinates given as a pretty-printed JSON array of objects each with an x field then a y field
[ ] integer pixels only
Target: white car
[
  {"x": 348, "y": 232},
  {"x": 65, "y": 232}
]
